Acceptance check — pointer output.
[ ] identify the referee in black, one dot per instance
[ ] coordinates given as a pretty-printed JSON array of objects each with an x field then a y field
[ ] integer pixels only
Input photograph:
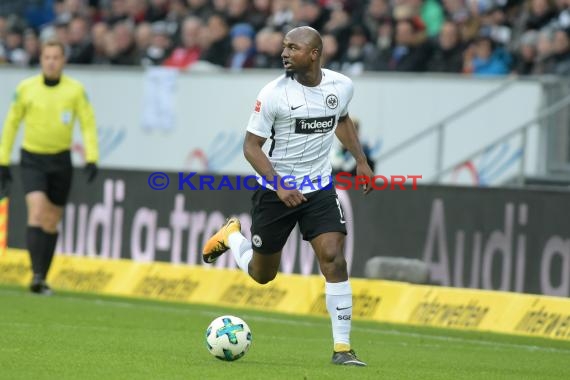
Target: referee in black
[{"x": 49, "y": 105}]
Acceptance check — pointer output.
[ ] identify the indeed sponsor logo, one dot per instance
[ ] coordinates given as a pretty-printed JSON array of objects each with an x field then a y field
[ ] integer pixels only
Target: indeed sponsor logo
[{"x": 314, "y": 125}]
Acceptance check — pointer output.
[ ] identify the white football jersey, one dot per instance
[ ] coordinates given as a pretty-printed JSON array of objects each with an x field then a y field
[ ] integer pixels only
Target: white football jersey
[{"x": 299, "y": 123}]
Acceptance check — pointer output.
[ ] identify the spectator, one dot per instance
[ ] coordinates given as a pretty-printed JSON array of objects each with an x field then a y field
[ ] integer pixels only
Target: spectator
[
  {"x": 309, "y": 12},
  {"x": 485, "y": 58},
  {"x": 260, "y": 12},
  {"x": 177, "y": 12},
  {"x": 378, "y": 12},
  {"x": 447, "y": 55},
  {"x": 118, "y": 12},
  {"x": 330, "y": 57},
  {"x": 396, "y": 32},
  {"x": 560, "y": 59},
  {"x": 157, "y": 10},
  {"x": 124, "y": 40},
  {"x": 32, "y": 47},
  {"x": 410, "y": 53},
  {"x": 80, "y": 45},
  {"x": 200, "y": 9},
  {"x": 494, "y": 24},
  {"x": 110, "y": 47},
  {"x": 62, "y": 34},
  {"x": 3, "y": 28},
  {"x": 544, "y": 52},
  {"x": 160, "y": 45},
  {"x": 219, "y": 44},
  {"x": 357, "y": 52},
  {"x": 281, "y": 15},
  {"x": 526, "y": 54},
  {"x": 456, "y": 11},
  {"x": 540, "y": 14},
  {"x": 243, "y": 50},
  {"x": 220, "y": 5},
  {"x": 339, "y": 25},
  {"x": 13, "y": 46},
  {"x": 384, "y": 36},
  {"x": 99, "y": 32},
  {"x": 190, "y": 51},
  {"x": 563, "y": 14},
  {"x": 143, "y": 36},
  {"x": 268, "y": 48},
  {"x": 66, "y": 10},
  {"x": 136, "y": 10},
  {"x": 237, "y": 12}
]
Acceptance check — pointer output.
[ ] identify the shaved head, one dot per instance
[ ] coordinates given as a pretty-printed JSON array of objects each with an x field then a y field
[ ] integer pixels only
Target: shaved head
[{"x": 309, "y": 36}]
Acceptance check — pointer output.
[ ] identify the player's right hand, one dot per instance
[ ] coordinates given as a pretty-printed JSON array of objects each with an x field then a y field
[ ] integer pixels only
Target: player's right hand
[
  {"x": 291, "y": 198},
  {"x": 5, "y": 178}
]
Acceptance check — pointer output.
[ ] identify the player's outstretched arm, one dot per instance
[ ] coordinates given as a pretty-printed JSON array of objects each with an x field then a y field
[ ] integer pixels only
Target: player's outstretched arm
[
  {"x": 252, "y": 150},
  {"x": 346, "y": 133}
]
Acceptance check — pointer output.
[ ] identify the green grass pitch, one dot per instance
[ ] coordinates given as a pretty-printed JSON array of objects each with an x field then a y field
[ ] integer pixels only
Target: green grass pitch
[{"x": 77, "y": 336}]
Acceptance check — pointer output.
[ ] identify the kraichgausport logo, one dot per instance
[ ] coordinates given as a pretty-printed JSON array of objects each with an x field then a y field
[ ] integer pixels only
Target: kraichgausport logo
[
  {"x": 341, "y": 181},
  {"x": 315, "y": 125}
]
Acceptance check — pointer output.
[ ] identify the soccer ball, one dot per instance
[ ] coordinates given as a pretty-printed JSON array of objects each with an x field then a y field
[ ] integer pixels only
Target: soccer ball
[{"x": 228, "y": 337}]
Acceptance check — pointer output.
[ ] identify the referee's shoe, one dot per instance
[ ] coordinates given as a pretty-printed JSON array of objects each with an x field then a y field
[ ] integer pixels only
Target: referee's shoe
[
  {"x": 39, "y": 286},
  {"x": 219, "y": 243}
]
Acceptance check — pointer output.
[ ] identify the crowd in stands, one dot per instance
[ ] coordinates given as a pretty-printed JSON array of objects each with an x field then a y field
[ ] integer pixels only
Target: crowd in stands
[{"x": 475, "y": 37}]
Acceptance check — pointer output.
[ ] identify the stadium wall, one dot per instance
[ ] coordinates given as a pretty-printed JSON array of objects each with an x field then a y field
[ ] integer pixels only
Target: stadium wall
[
  {"x": 375, "y": 300},
  {"x": 166, "y": 120},
  {"x": 485, "y": 238}
]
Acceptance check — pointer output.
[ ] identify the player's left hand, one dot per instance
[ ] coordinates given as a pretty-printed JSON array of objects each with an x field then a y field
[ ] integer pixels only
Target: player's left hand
[
  {"x": 363, "y": 169},
  {"x": 91, "y": 171}
]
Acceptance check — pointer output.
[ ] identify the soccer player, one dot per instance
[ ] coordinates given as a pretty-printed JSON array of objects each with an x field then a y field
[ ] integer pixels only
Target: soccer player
[
  {"x": 299, "y": 112},
  {"x": 49, "y": 104}
]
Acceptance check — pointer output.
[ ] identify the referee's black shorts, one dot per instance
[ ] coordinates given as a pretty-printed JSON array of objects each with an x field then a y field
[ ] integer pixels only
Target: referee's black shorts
[
  {"x": 49, "y": 173},
  {"x": 272, "y": 221}
]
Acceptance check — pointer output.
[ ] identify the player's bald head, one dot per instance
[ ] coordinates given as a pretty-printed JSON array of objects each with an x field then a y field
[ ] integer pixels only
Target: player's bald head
[{"x": 307, "y": 35}]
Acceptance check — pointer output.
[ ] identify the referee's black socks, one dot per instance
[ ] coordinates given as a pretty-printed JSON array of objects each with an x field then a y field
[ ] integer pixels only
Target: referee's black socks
[
  {"x": 50, "y": 240},
  {"x": 35, "y": 243},
  {"x": 41, "y": 246}
]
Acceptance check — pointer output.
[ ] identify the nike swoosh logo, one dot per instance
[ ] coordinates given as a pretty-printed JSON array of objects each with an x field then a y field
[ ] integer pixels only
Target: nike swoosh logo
[
  {"x": 343, "y": 308},
  {"x": 294, "y": 108}
]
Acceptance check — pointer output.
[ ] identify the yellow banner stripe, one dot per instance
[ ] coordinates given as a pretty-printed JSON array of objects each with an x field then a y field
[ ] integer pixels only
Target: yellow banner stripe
[{"x": 374, "y": 300}]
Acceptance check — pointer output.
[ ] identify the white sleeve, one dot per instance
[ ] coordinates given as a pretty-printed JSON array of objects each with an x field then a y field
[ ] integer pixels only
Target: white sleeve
[
  {"x": 349, "y": 92},
  {"x": 263, "y": 116}
]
